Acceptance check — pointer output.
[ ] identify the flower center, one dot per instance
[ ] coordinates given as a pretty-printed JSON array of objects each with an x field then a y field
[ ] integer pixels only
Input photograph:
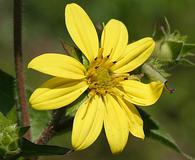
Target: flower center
[{"x": 100, "y": 78}]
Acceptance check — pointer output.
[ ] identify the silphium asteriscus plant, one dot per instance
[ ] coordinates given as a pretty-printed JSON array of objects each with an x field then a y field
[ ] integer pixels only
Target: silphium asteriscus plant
[{"x": 112, "y": 90}]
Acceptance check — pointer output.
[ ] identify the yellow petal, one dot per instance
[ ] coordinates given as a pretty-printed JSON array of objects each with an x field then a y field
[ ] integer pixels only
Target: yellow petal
[
  {"x": 88, "y": 123},
  {"x": 82, "y": 30},
  {"x": 56, "y": 93},
  {"x": 135, "y": 55},
  {"x": 135, "y": 120},
  {"x": 114, "y": 39},
  {"x": 115, "y": 124},
  {"x": 58, "y": 65},
  {"x": 142, "y": 94}
]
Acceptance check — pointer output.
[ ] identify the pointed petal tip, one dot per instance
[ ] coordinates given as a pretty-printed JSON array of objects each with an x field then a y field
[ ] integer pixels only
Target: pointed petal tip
[
  {"x": 149, "y": 40},
  {"x": 76, "y": 148},
  {"x": 30, "y": 64},
  {"x": 140, "y": 135},
  {"x": 117, "y": 151}
]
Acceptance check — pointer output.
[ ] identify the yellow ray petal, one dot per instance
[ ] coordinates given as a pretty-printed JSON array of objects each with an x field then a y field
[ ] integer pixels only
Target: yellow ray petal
[
  {"x": 56, "y": 93},
  {"x": 142, "y": 94},
  {"x": 88, "y": 123},
  {"x": 114, "y": 39},
  {"x": 135, "y": 55},
  {"x": 58, "y": 65},
  {"x": 115, "y": 124},
  {"x": 135, "y": 120},
  {"x": 82, "y": 30}
]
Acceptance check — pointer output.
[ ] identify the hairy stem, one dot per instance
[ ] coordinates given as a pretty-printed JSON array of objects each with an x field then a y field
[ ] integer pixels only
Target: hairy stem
[
  {"x": 58, "y": 123},
  {"x": 19, "y": 65},
  {"x": 47, "y": 134}
]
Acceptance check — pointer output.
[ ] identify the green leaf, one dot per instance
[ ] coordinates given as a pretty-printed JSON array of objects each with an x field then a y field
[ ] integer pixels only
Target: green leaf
[
  {"x": 70, "y": 50},
  {"x": 4, "y": 121},
  {"x": 176, "y": 48},
  {"x": 152, "y": 73},
  {"x": 85, "y": 61},
  {"x": 6, "y": 92},
  {"x": 30, "y": 149},
  {"x": 73, "y": 107},
  {"x": 12, "y": 115},
  {"x": 154, "y": 131},
  {"x": 188, "y": 47},
  {"x": 186, "y": 62},
  {"x": 23, "y": 130},
  {"x": 149, "y": 124},
  {"x": 38, "y": 119},
  {"x": 166, "y": 139}
]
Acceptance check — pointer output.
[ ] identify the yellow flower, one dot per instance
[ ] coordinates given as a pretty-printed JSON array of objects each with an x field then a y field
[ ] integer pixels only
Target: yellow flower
[{"x": 112, "y": 90}]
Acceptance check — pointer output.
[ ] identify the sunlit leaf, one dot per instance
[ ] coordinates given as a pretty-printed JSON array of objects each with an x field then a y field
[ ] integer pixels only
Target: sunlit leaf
[
  {"x": 12, "y": 114},
  {"x": 38, "y": 122}
]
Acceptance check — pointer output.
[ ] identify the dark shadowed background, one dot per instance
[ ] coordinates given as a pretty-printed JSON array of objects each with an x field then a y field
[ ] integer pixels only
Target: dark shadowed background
[{"x": 44, "y": 28}]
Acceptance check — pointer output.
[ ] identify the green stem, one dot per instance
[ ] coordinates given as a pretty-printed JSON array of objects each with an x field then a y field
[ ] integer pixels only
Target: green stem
[
  {"x": 19, "y": 65},
  {"x": 152, "y": 73}
]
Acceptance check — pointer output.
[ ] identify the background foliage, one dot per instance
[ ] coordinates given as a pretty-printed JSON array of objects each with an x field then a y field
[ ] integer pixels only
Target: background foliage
[{"x": 43, "y": 29}]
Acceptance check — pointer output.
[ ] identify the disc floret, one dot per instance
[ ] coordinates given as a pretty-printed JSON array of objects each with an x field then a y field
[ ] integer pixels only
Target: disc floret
[{"x": 101, "y": 78}]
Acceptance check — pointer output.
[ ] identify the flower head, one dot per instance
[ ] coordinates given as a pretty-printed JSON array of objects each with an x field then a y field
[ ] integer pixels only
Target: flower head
[{"x": 112, "y": 90}]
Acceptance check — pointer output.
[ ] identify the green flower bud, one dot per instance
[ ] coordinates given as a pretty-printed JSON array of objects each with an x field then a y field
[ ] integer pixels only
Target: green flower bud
[
  {"x": 168, "y": 51},
  {"x": 172, "y": 48},
  {"x": 8, "y": 137}
]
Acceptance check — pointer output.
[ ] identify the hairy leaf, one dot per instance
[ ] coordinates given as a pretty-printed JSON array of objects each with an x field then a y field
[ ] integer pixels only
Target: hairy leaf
[
  {"x": 153, "y": 130},
  {"x": 73, "y": 107}
]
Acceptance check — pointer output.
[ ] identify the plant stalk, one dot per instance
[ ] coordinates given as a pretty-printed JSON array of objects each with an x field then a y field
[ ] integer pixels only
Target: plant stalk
[{"x": 19, "y": 65}]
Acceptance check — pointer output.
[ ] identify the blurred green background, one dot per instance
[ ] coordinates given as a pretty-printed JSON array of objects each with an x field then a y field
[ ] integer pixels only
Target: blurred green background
[{"x": 43, "y": 29}]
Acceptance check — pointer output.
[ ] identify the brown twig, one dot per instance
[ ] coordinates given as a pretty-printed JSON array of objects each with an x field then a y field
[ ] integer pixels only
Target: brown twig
[
  {"x": 57, "y": 124},
  {"x": 170, "y": 90},
  {"x": 50, "y": 130},
  {"x": 47, "y": 134},
  {"x": 19, "y": 65}
]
